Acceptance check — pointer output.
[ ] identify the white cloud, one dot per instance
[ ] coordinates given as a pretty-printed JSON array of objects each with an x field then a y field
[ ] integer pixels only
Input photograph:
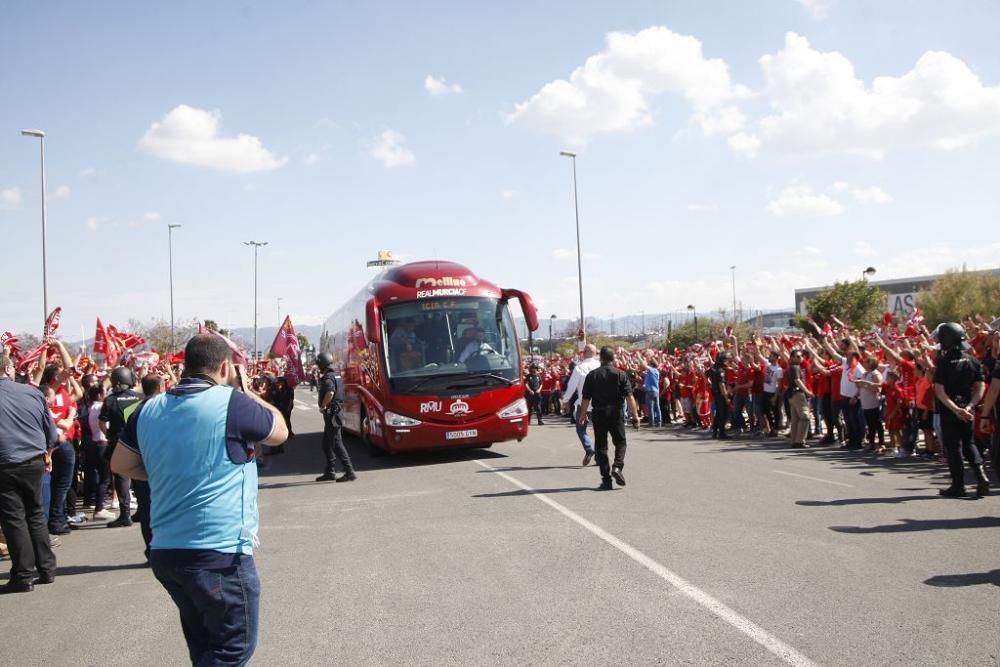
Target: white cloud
[
  {"x": 95, "y": 222},
  {"x": 871, "y": 195},
  {"x": 821, "y": 107},
  {"x": 10, "y": 198},
  {"x": 438, "y": 86},
  {"x": 694, "y": 208},
  {"x": 63, "y": 192},
  {"x": 818, "y": 9},
  {"x": 151, "y": 216},
  {"x": 310, "y": 159},
  {"x": 864, "y": 249},
  {"x": 840, "y": 186},
  {"x": 803, "y": 201},
  {"x": 741, "y": 142},
  {"x": 390, "y": 149},
  {"x": 191, "y": 135},
  {"x": 612, "y": 90},
  {"x": 88, "y": 171},
  {"x": 510, "y": 194}
]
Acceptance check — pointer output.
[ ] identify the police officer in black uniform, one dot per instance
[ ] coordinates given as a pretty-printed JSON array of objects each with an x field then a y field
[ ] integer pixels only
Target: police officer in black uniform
[
  {"x": 606, "y": 388},
  {"x": 958, "y": 386},
  {"x": 331, "y": 401},
  {"x": 113, "y": 414},
  {"x": 720, "y": 394},
  {"x": 533, "y": 392}
]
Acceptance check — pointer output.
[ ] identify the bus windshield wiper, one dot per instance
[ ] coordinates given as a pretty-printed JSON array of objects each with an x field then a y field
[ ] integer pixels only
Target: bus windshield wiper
[{"x": 491, "y": 376}]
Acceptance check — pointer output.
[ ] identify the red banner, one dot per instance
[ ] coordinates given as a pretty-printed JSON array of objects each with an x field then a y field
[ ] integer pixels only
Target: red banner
[
  {"x": 52, "y": 321},
  {"x": 286, "y": 344},
  {"x": 238, "y": 356},
  {"x": 29, "y": 359},
  {"x": 100, "y": 339}
]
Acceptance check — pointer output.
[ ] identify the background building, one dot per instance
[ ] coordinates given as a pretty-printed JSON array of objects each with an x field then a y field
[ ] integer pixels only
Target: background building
[{"x": 900, "y": 294}]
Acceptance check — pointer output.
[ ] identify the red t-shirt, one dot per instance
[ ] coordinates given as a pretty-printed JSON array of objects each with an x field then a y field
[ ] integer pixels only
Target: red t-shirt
[
  {"x": 744, "y": 375},
  {"x": 908, "y": 378},
  {"x": 836, "y": 371},
  {"x": 758, "y": 378}
]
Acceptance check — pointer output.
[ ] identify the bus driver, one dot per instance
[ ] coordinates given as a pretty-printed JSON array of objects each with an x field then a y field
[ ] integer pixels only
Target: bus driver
[{"x": 472, "y": 344}]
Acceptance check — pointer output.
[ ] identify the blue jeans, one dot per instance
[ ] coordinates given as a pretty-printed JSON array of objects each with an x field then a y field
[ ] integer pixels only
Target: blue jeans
[
  {"x": 46, "y": 495},
  {"x": 581, "y": 432},
  {"x": 653, "y": 408},
  {"x": 63, "y": 469},
  {"x": 219, "y": 607},
  {"x": 854, "y": 422}
]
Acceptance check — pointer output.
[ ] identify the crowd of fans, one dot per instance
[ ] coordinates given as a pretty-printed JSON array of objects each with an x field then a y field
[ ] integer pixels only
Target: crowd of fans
[
  {"x": 79, "y": 488},
  {"x": 870, "y": 390}
]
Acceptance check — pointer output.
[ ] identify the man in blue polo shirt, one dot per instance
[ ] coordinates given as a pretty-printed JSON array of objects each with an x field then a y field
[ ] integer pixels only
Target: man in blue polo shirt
[{"x": 195, "y": 444}]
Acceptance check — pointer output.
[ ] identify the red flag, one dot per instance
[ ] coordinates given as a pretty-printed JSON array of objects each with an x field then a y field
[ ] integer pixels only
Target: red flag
[
  {"x": 52, "y": 321},
  {"x": 286, "y": 344},
  {"x": 100, "y": 339},
  {"x": 238, "y": 356},
  {"x": 28, "y": 360}
]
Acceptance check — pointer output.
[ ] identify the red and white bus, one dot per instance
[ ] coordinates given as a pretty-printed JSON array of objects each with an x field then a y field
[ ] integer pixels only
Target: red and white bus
[{"x": 429, "y": 359}]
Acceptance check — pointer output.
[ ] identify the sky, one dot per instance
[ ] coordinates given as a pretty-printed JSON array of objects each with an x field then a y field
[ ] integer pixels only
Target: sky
[{"x": 799, "y": 140}]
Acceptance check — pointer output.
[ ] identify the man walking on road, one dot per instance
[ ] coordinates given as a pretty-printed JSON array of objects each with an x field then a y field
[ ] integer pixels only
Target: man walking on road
[
  {"x": 575, "y": 385},
  {"x": 605, "y": 389},
  {"x": 331, "y": 401},
  {"x": 26, "y": 434},
  {"x": 112, "y": 421},
  {"x": 195, "y": 444}
]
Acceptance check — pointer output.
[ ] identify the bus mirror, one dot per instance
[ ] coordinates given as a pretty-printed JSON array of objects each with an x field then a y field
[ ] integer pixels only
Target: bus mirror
[
  {"x": 373, "y": 328},
  {"x": 527, "y": 307}
]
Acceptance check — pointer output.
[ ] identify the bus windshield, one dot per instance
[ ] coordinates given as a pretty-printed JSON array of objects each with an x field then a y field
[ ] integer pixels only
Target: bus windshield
[{"x": 436, "y": 342}]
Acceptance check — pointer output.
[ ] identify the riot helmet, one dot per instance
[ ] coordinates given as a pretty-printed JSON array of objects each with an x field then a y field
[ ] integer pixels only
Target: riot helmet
[
  {"x": 122, "y": 378},
  {"x": 324, "y": 360},
  {"x": 951, "y": 335}
]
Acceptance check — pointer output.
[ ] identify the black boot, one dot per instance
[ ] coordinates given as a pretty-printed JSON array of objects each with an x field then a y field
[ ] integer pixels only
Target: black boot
[
  {"x": 982, "y": 482},
  {"x": 606, "y": 484},
  {"x": 348, "y": 476},
  {"x": 953, "y": 492}
]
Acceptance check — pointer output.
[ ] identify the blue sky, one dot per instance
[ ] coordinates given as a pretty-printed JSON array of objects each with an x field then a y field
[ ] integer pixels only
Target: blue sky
[{"x": 800, "y": 140}]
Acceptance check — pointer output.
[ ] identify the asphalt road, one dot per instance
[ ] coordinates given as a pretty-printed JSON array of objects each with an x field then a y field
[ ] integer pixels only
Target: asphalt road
[{"x": 735, "y": 553}]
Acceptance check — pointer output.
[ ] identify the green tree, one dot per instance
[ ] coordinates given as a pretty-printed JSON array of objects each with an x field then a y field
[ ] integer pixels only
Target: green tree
[
  {"x": 708, "y": 329},
  {"x": 858, "y": 304},
  {"x": 960, "y": 294},
  {"x": 303, "y": 341},
  {"x": 157, "y": 333}
]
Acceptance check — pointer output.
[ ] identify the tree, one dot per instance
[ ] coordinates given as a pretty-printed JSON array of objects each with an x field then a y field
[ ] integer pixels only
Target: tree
[
  {"x": 157, "y": 333},
  {"x": 708, "y": 329},
  {"x": 303, "y": 341},
  {"x": 958, "y": 295},
  {"x": 858, "y": 304}
]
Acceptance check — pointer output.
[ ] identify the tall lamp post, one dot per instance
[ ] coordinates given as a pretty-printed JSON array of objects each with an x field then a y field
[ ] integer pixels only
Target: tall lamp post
[
  {"x": 170, "y": 255},
  {"x": 733, "y": 269},
  {"x": 255, "y": 245},
  {"x": 579, "y": 256},
  {"x": 552, "y": 318},
  {"x": 695, "y": 311},
  {"x": 38, "y": 134},
  {"x": 870, "y": 271}
]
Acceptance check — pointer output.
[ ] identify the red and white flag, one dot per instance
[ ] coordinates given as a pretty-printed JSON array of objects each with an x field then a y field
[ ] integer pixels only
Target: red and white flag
[
  {"x": 286, "y": 344},
  {"x": 28, "y": 360},
  {"x": 238, "y": 356},
  {"x": 52, "y": 321},
  {"x": 8, "y": 342},
  {"x": 100, "y": 339}
]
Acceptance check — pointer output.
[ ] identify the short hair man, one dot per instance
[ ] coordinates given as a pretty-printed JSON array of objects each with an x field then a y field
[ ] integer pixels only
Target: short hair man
[
  {"x": 195, "y": 444},
  {"x": 606, "y": 389},
  {"x": 26, "y": 433}
]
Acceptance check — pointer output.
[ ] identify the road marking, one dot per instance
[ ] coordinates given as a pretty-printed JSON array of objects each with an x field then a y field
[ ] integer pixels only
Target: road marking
[
  {"x": 299, "y": 405},
  {"x": 815, "y": 479},
  {"x": 779, "y": 648}
]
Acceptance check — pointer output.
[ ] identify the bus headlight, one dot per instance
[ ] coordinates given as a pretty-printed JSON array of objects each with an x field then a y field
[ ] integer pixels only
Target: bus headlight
[
  {"x": 392, "y": 419},
  {"x": 518, "y": 408}
]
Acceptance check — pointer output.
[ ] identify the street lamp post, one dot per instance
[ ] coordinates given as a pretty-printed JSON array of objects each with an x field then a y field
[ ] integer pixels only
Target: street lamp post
[
  {"x": 733, "y": 269},
  {"x": 255, "y": 245},
  {"x": 170, "y": 255},
  {"x": 552, "y": 318},
  {"x": 870, "y": 271},
  {"x": 579, "y": 256},
  {"x": 695, "y": 311},
  {"x": 45, "y": 274}
]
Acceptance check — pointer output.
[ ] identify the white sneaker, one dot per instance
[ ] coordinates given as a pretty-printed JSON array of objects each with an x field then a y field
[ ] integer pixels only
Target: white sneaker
[
  {"x": 76, "y": 520},
  {"x": 103, "y": 514},
  {"x": 114, "y": 504}
]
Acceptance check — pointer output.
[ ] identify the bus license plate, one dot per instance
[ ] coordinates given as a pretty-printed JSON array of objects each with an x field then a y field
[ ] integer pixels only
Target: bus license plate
[{"x": 458, "y": 435}]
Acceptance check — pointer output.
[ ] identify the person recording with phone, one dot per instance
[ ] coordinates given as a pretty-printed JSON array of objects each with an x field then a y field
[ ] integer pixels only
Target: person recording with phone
[{"x": 196, "y": 445}]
